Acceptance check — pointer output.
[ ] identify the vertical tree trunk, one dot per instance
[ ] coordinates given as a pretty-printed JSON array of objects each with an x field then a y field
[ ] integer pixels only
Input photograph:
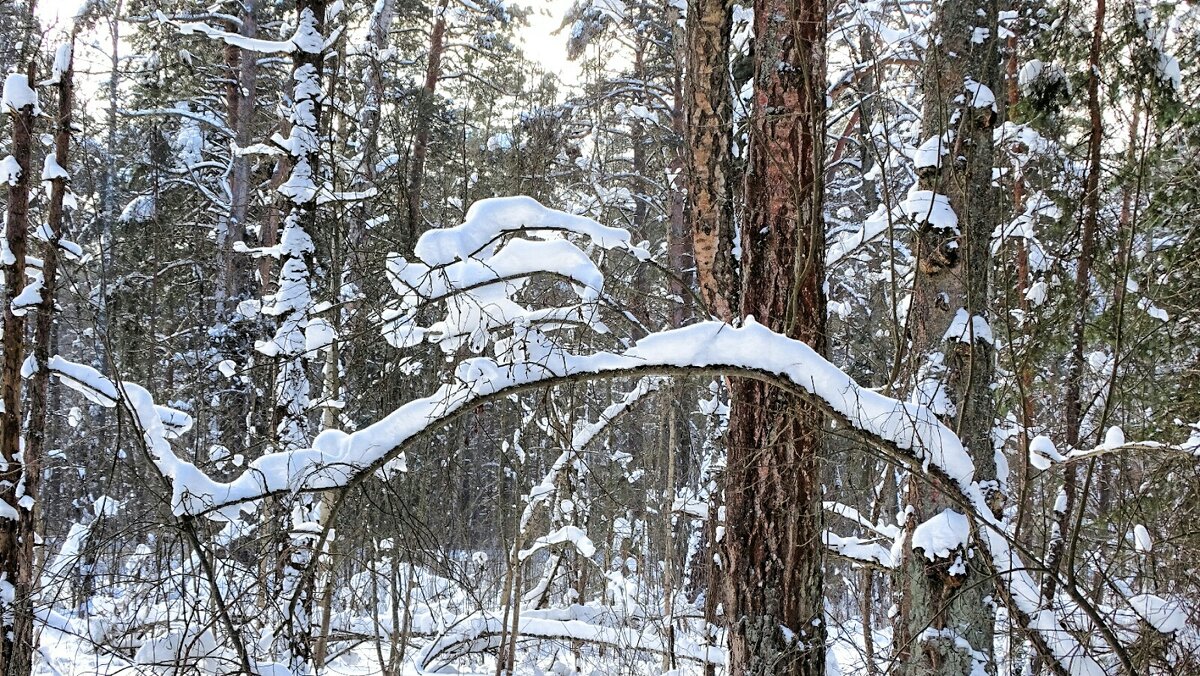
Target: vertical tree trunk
[
  {"x": 1072, "y": 396},
  {"x": 109, "y": 200},
  {"x": 433, "y": 72},
  {"x": 1025, "y": 367},
  {"x": 944, "y": 600},
  {"x": 233, "y": 282},
  {"x": 707, "y": 138},
  {"x": 368, "y": 129},
  {"x": 708, "y": 174},
  {"x": 16, "y": 519},
  {"x": 39, "y": 382},
  {"x": 293, "y": 302},
  {"x": 240, "y": 100},
  {"x": 679, "y": 241},
  {"x": 637, "y": 132},
  {"x": 773, "y": 550}
]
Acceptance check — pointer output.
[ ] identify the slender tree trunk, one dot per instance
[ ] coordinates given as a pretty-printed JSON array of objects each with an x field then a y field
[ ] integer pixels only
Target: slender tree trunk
[
  {"x": 1025, "y": 366},
  {"x": 109, "y": 200},
  {"x": 292, "y": 304},
  {"x": 669, "y": 585},
  {"x": 39, "y": 382},
  {"x": 425, "y": 107},
  {"x": 709, "y": 137},
  {"x": 240, "y": 101},
  {"x": 944, "y": 598},
  {"x": 679, "y": 241},
  {"x": 16, "y": 521},
  {"x": 1072, "y": 396},
  {"x": 368, "y": 128},
  {"x": 773, "y": 550}
]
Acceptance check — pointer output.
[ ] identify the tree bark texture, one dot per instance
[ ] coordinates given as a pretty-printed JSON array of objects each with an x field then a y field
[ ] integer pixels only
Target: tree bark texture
[
  {"x": 945, "y": 601},
  {"x": 773, "y": 549},
  {"x": 709, "y": 137},
  {"x": 425, "y": 107},
  {"x": 16, "y": 524}
]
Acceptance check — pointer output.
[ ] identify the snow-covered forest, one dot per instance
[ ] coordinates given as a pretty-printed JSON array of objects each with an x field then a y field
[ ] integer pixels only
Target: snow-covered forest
[{"x": 771, "y": 337}]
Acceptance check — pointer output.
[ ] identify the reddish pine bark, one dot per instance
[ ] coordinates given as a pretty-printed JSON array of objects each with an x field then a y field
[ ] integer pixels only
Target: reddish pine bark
[
  {"x": 433, "y": 72},
  {"x": 16, "y": 545},
  {"x": 709, "y": 135},
  {"x": 773, "y": 549}
]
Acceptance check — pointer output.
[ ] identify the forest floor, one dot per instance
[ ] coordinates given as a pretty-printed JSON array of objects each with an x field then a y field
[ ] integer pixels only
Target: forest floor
[{"x": 69, "y": 651}]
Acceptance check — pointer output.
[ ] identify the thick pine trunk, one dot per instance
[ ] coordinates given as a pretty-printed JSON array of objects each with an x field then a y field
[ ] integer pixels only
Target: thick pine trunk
[
  {"x": 240, "y": 101},
  {"x": 16, "y": 525},
  {"x": 709, "y": 137},
  {"x": 773, "y": 549},
  {"x": 234, "y": 281},
  {"x": 945, "y": 600}
]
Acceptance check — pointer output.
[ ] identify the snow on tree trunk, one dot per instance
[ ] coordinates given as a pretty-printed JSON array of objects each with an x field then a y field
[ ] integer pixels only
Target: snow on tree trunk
[
  {"x": 292, "y": 303},
  {"x": 54, "y": 171},
  {"x": 773, "y": 548},
  {"x": 16, "y": 508},
  {"x": 946, "y": 609},
  {"x": 234, "y": 278}
]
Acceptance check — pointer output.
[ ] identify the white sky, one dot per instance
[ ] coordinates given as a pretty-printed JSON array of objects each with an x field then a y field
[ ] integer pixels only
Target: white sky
[
  {"x": 56, "y": 13},
  {"x": 541, "y": 46},
  {"x": 538, "y": 40}
]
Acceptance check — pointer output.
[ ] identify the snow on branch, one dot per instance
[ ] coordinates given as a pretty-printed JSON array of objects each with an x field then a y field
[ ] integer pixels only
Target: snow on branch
[
  {"x": 572, "y": 534},
  {"x": 484, "y": 632},
  {"x": 530, "y": 359},
  {"x": 18, "y": 95},
  {"x": 479, "y": 267},
  {"x": 487, "y": 220},
  {"x": 1043, "y": 454},
  {"x": 306, "y": 38},
  {"x": 889, "y": 531},
  {"x": 158, "y": 423},
  {"x": 858, "y": 550},
  {"x": 338, "y": 459}
]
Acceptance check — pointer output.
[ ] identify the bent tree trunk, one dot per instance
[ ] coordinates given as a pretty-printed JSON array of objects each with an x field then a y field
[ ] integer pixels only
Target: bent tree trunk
[
  {"x": 773, "y": 552},
  {"x": 946, "y": 617}
]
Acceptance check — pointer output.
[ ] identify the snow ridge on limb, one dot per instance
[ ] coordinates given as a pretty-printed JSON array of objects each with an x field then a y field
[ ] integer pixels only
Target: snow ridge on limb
[
  {"x": 337, "y": 458},
  {"x": 913, "y": 432},
  {"x": 157, "y": 423},
  {"x": 482, "y": 632},
  {"x": 478, "y": 268},
  {"x": 306, "y": 38},
  {"x": 489, "y": 219}
]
